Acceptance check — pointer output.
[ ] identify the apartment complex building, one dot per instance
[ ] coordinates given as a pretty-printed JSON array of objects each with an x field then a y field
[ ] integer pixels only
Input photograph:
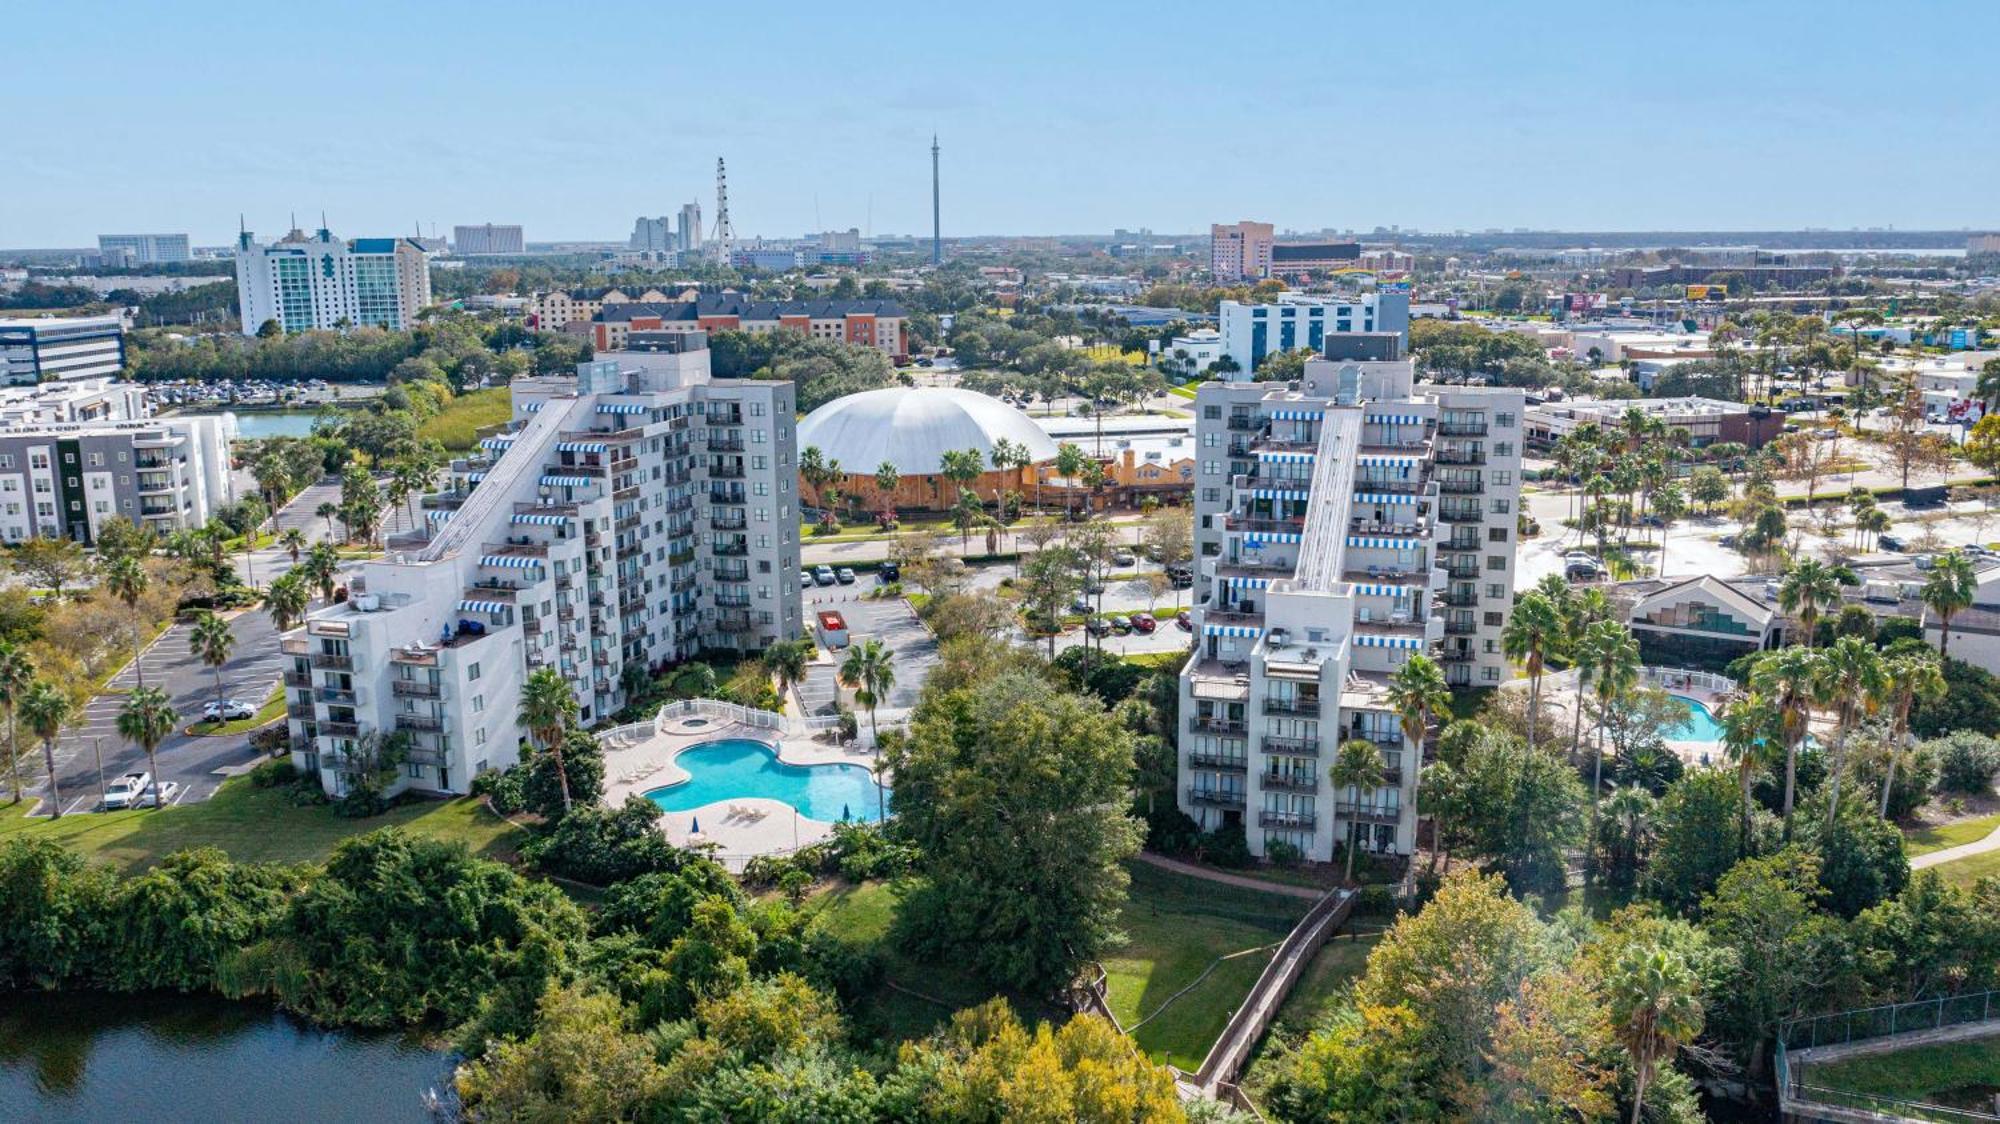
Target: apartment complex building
[
  {"x": 486, "y": 238},
  {"x": 143, "y": 249},
  {"x": 554, "y": 310},
  {"x": 880, "y": 324},
  {"x": 1343, "y": 523},
  {"x": 1240, "y": 251},
  {"x": 52, "y": 348},
  {"x": 322, "y": 282},
  {"x": 631, "y": 517},
  {"x": 1296, "y": 321}
]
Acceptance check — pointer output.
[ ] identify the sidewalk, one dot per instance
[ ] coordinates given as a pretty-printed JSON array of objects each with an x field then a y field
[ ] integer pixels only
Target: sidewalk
[
  {"x": 1962, "y": 851},
  {"x": 1238, "y": 880}
]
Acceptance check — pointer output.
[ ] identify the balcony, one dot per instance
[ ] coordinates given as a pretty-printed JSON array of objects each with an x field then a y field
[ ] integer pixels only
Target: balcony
[
  {"x": 1460, "y": 626},
  {"x": 1461, "y": 456},
  {"x": 1216, "y": 761},
  {"x": 725, "y": 472},
  {"x": 1302, "y": 706},
  {"x": 334, "y": 695},
  {"x": 1302, "y": 820},
  {"x": 732, "y": 575},
  {"x": 1462, "y": 429},
  {"x": 1244, "y": 423},
  {"x": 741, "y": 601},
  {"x": 729, "y": 521},
  {"x": 301, "y": 708},
  {"x": 1461, "y": 598},
  {"x": 729, "y": 417},
  {"x": 419, "y": 722},
  {"x": 431, "y": 757},
  {"x": 415, "y": 689},
  {"x": 726, "y": 443},
  {"x": 721, "y": 497},
  {"x": 1290, "y": 782},
  {"x": 1215, "y": 798},
  {"x": 1370, "y": 813},
  {"x": 298, "y": 679},
  {"x": 332, "y": 662},
  {"x": 1460, "y": 515},
  {"x": 1200, "y": 725},
  {"x": 340, "y": 729},
  {"x": 1462, "y": 569},
  {"x": 732, "y": 622},
  {"x": 1297, "y": 747},
  {"x": 1457, "y": 655},
  {"x": 1460, "y": 487}
]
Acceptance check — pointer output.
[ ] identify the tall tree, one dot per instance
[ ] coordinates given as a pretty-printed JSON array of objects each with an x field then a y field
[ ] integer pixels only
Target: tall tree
[
  {"x": 1851, "y": 681},
  {"x": 1612, "y": 656},
  {"x": 1810, "y": 588},
  {"x": 46, "y": 710},
  {"x": 286, "y": 600},
  {"x": 16, "y": 674},
  {"x": 1751, "y": 731},
  {"x": 1912, "y": 677},
  {"x": 1533, "y": 630},
  {"x": 51, "y": 562},
  {"x": 321, "y": 566},
  {"x": 1418, "y": 693},
  {"x": 788, "y": 661},
  {"x": 1952, "y": 586},
  {"x": 294, "y": 542},
  {"x": 1356, "y": 765},
  {"x": 125, "y": 579},
  {"x": 146, "y": 720},
  {"x": 1789, "y": 677},
  {"x": 547, "y": 706},
  {"x": 1655, "y": 1009},
  {"x": 870, "y": 671},
  {"x": 1070, "y": 463},
  {"x": 213, "y": 643},
  {"x": 887, "y": 480}
]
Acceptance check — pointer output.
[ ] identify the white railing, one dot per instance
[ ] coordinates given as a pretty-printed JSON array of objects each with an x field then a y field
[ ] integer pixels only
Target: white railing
[
  {"x": 1681, "y": 678},
  {"x": 716, "y": 708}
]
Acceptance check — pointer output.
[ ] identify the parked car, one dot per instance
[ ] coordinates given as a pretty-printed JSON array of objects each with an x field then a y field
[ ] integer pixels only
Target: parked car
[
  {"x": 1729, "y": 541},
  {"x": 1892, "y": 542},
  {"x": 1121, "y": 625},
  {"x": 1093, "y": 587},
  {"x": 160, "y": 794},
  {"x": 1583, "y": 571},
  {"x": 844, "y": 575},
  {"x": 1185, "y": 620},
  {"x": 823, "y": 575},
  {"x": 1181, "y": 576},
  {"x": 1124, "y": 558},
  {"x": 1080, "y": 605},
  {"x": 1144, "y": 622},
  {"x": 228, "y": 710},
  {"x": 1097, "y": 626},
  {"x": 805, "y": 579},
  {"x": 122, "y": 792},
  {"x": 888, "y": 572}
]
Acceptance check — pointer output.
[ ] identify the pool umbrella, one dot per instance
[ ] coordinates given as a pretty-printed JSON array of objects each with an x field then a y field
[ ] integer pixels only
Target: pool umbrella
[
  {"x": 695, "y": 829},
  {"x": 844, "y": 813}
]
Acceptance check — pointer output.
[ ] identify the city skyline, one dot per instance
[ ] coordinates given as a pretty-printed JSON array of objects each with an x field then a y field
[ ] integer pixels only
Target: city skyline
[{"x": 1767, "y": 119}]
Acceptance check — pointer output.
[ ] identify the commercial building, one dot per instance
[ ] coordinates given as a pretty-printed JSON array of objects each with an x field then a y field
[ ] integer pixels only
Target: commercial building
[
  {"x": 1153, "y": 456},
  {"x": 1983, "y": 244},
  {"x": 912, "y": 428},
  {"x": 634, "y": 515},
  {"x": 1297, "y": 321},
  {"x": 144, "y": 249},
  {"x": 1297, "y": 259},
  {"x": 688, "y": 233},
  {"x": 487, "y": 238},
  {"x": 880, "y": 324},
  {"x": 56, "y": 348},
  {"x": 1343, "y": 523},
  {"x": 1701, "y": 421},
  {"x": 1240, "y": 251},
  {"x": 322, "y": 282},
  {"x": 1194, "y": 353},
  {"x": 1703, "y": 623},
  {"x": 1755, "y": 276},
  {"x": 74, "y": 455}
]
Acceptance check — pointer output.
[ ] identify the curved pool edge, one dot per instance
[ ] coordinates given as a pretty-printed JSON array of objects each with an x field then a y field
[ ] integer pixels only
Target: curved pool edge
[{"x": 677, "y": 776}]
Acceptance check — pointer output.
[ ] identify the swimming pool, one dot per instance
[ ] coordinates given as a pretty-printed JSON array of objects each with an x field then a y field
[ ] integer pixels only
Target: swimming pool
[
  {"x": 1698, "y": 726},
  {"x": 737, "y": 769}
]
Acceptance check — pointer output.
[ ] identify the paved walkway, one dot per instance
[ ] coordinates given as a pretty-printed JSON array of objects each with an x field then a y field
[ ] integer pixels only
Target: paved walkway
[
  {"x": 1193, "y": 871},
  {"x": 1962, "y": 851}
]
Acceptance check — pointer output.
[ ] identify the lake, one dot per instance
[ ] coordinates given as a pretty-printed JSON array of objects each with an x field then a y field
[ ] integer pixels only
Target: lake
[
  {"x": 86, "y": 1056},
  {"x": 251, "y": 425}
]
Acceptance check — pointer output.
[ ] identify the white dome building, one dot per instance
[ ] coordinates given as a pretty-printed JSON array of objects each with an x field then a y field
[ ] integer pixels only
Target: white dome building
[{"x": 912, "y": 429}]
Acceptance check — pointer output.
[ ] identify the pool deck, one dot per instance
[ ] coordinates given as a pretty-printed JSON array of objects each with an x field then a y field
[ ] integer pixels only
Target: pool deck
[
  {"x": 1559, "y": 699},
  {"x": 737, "y": 829}
]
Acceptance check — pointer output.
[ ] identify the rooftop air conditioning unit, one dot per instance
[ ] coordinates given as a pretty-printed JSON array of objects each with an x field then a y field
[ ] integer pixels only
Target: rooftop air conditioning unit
[
  {"x": 367, "y": 603},
  {"x": 1278, "y": 637}
]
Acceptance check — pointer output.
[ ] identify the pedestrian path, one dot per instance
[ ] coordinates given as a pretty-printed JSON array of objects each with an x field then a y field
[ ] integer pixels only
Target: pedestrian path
[
  {"x": 1962, "y": 851},
  {"x": 1193, "y": 871}
]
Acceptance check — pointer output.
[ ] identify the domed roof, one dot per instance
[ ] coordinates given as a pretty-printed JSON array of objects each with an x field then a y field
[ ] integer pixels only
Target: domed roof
[{"x": 912, "y": 428}]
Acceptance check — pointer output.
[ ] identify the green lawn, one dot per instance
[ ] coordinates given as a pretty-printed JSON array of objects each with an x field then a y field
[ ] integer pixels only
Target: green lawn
[
  {"x": 861, "y": 915},
  {"x": 1177, "y": 927},
  {"x": 464, "y": 416},
  {"x": 1951, "y": 1074},
  {"x": 1966, "y": 871},
  {"x": 1924, "y": 840},
  {"x": 1186, "y": 392},
  {"x": 254, "y": 825}
]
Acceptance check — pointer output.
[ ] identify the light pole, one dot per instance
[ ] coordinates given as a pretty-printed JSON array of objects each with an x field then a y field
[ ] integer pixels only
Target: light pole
[{"x": 97, "y": 751}]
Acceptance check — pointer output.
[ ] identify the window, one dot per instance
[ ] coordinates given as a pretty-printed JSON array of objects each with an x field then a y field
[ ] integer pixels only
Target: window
[
  {"x": 1495, "y": 591},
  {"x": 1211, "y": 495},
  {"x": 478, "y": 703},
  {"x": 1490, "y": 674},
  {"x": 6, "y": 460},
  {"x": 97, "y": 460},
  {"x": 1503, "y": 421},
  {"x": 479, "y": 736},
  {"x": 1503, "y": 448},
  {"x": 1493, "y": 620},
  {"x": 472, "y": 672},
  {"x": 1496, "y": 561},
  {"x": 1212, "y": 413},
  {"x": 1496, "y": 534},
  {"x": 1502, "y": 477},
  {"x": 1501, "y": 507},
  {"x": 1211, "y": 468}
]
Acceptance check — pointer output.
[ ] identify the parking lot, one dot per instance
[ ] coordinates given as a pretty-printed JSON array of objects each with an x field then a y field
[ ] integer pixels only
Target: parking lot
[{"x": 887, "y": 619}]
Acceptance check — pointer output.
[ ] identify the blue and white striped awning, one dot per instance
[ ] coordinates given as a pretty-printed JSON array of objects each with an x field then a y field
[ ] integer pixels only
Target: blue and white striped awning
[
  {"x": 1281, "y": 494},
  {"x": 1389, "y": 498},
  {"x": 475, "y": 477},
  {"x": 1370, "y": 640},
  {"x": 620, "y": 408},
  {"x": 1387, "y": 460},
  {"x": 554, "y": 481},
  {"x": 1395, "y": 419},
  {"x": 1275, "y": 537},
  {"x": 1298, "y": 415},
  {"x": 1239, "y": 630},
  {"x": 531, "y": 407},
  {"x": 581, "y": 446},
  {"x": 1285, "y": 458},
  {"x": 1246, "y": 583},
  {"x": 438, "y": 516},
  {"x": 1381, "y": 589},
  {"x": 471, "y": 606},
  {"x": 495, "y": 442},
  {"x": 510, "y": 561},
  {"x": 521, "y": 517},
  {"x": 1377, "y": 542}
]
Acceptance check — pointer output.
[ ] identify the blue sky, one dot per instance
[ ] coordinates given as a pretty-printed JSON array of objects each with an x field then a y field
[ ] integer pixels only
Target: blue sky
[{"x": 1055, "y": 118}]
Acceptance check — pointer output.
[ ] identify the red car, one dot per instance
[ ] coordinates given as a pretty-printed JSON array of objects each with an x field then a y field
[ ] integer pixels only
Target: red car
[
  {"x": 1144, "y": 622},
  {"x": 1184, "y": 620}
]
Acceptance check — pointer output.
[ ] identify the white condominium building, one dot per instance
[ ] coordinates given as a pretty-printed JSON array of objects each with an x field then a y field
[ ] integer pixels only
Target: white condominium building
[
  {"x": 1344, "y": 523},
  {"x": 631, "y": 517},
  {"x": 1296, "y": 321},
  {"x": 322, "y": 282}
]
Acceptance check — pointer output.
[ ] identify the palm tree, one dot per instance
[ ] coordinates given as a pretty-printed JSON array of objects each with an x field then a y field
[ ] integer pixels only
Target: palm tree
[
  {"x": 1749, "y": 732},
  {"x": 547, "y": 705},
  {"x": 286, "y": 600},
  {"x": 887, "y": 480},
  {"x": 1911, "y": 677},
  {"x": 411, "y": 477},
  {"x": 869, "y": 672},
  {"x": 1655, "y": 1007},
  {"x": 274, "y": 481},
  {"x": 322, "y": 565},
  {"x": 787, "y": 662},
  {"x": 1951, "y": 587},
  {"x": 213, "y": 643},
  {"x": 1532, "y": 632},
  {"x": 961, "y": 467},
  {"x": 1069, "y": 465},
  {"x": 327, "y": 510},
  {"x": 147, "y": 719},
  {"x": 1851, "y": 680},
  {"x": 1417, "y": 693},
  {"x": 46, "y": 710},
  {"x": 1357, "y": 765},
  {"x": 966, "y": 513},
  {"x": 127, "y": 580},
  {"x": 15, "y": 675},
  {"x": 1002, "y": 457},
  {"x": 1614, "y": 662},
  {"x": 1809, "y": 589},
  {"x": 1788, "y": 677},
  {"x": 294, "y": 542},
  {"x": 813, "y": 470}
]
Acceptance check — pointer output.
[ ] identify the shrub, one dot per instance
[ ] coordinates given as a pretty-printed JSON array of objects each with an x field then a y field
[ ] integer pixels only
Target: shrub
[
  {"x": 1225, "y": 846},
  {"x": 360, "y": 804},
  {"x": 1967, "y": 762},
  {"x": 274, "y": 774},
  {"x": 502, "y": 788},
  {"x": 1282, "y": 853},
  {"x": 1375, "y": 901}
]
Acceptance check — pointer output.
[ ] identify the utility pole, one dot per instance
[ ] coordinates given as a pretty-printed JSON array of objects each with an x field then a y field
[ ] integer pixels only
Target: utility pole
[
  {"x": 97, "y": 750},
  {"x": 937, "y": 227}
]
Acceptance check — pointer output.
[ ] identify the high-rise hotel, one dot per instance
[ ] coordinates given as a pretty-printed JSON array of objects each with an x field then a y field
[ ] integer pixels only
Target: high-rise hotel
[
  {"x": 1344, "y": 523},
  {"x": 631, "y": 516},
  {"x": 322, "y": 282}
]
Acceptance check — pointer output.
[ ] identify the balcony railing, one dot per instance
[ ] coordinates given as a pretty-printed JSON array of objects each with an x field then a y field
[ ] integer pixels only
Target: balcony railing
[
  {"x": 1304, "y": 820},
  {"x": 340, "y": 729},
  {"x": 1460, "y": 487},
  {"x": 1301, "y": 747},
  {"x": 418, "y": 722},
  {"x": 415, "y": 689},
  {"x": 298, "y": 679},
  {"x": 1462, "y": 429},
  {"x": 1461, "y": 456},
  {"x": 1216, "y": 761},
  {"x": 336, "y": 663},
  {"x": 1215, "y": 798},
  {"x": 1292, "y": 706},
  {"x": 1461, "y": 598},
  {"x": 1460, "y": 626},
  {"x": 1290, "y": 782},
  {"x": 1460, "y": 515},
  {"x": 1457, "y": 655},
  {"x": 335, "y": 695},
  {"x": 1370, "y": 813},
  {"x": 1201, "y": 725}
]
